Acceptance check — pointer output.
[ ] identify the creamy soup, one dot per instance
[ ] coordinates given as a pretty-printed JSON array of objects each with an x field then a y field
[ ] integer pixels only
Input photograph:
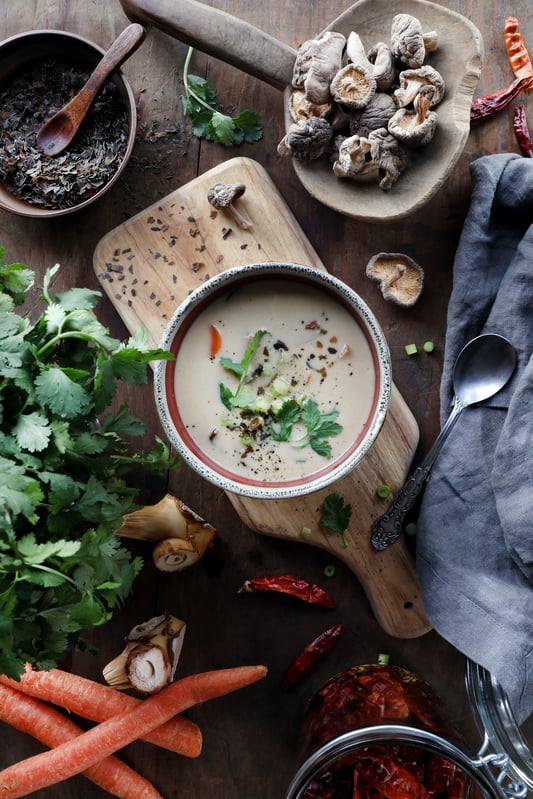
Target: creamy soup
[{"x": 273, "y": 380}]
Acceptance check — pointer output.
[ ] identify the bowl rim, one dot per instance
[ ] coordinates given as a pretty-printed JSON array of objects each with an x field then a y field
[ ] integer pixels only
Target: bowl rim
[
  {"x": 340, "y": 466},
  {"x": 22, "y": 207}
]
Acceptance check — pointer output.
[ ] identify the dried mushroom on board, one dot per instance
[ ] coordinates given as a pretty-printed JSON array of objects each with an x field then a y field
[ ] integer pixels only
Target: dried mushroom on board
[{"x": 365, "y": 108}]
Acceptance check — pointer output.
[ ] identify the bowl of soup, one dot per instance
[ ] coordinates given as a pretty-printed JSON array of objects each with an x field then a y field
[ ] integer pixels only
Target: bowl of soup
[{"x": 280, "y": 380}]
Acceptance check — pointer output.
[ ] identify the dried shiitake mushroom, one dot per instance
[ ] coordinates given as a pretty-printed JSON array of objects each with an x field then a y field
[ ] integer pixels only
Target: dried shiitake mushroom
[
  {"x": 400, "y": 279},
  {"x": 409, "y": 44},
  {"x": 415, "y": 127},
  {"x": 369, "y": 112},
  {"x": 317, "y": 61},
  {"x": 222, "y": 196}
]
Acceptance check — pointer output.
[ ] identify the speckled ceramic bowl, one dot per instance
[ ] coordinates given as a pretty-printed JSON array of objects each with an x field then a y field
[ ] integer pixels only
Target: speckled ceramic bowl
[
  {"x": 166, "y": 375},
  {"x": 18, "y": 54}
]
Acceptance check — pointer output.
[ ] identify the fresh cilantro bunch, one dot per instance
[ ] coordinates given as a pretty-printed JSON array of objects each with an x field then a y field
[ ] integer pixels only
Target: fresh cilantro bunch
[
  {"x": 208, "y": 122},
  {"x": 64, "y": 465}
]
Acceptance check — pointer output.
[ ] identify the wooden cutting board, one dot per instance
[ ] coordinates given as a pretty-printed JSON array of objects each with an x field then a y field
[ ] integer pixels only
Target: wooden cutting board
[{"x": 149, "y": 264}]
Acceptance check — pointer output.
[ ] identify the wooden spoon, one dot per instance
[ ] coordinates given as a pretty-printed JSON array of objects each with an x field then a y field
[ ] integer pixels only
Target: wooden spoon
[{"x": 57, "y": 132}]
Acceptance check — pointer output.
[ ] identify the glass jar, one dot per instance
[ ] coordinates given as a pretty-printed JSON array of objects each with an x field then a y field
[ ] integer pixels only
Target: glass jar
[
  {"x": 381, "y": 731},
  {"x": 497, "y": 723}
]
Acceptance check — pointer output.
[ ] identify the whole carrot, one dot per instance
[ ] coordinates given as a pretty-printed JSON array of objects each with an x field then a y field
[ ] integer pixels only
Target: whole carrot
[
  {"x": 98, "y": 702},
  {"x": 52, "y": 728},
  {"x": 73, "y": 757}
]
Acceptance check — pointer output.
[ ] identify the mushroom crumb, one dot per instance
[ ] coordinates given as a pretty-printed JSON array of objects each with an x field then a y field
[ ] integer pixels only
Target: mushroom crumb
[
  {"x": 400, "y": 279},
  {"x": 223, "y": 195}
]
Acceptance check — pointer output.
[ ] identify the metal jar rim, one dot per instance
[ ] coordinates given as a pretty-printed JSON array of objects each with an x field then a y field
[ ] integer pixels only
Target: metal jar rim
[
  {"x": 496, "y": 721},
  {"x": 480, "y": 770}
]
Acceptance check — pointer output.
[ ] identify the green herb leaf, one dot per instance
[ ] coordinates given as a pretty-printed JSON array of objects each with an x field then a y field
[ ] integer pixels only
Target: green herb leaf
[
  {"x": 248, "y": 123},
  {"x": 287, "y": 416},
  {"x": 32, "y": 431},
  {"x": 208, "y": 121},
  {"x": 221, "y": 128},
  {"x": 241, "y": 368},
  {"x": 336, "y": 515},
  {"x": 226, "y": 396},
  {"x": 56, "y": 391}
]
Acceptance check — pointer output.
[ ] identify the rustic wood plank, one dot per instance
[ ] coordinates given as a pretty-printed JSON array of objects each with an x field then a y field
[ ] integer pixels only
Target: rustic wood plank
[{"x": 247, "y": 733}]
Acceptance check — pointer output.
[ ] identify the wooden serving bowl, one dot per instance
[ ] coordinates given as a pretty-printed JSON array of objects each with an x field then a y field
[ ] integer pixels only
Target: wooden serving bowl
[{"x": 20, "y": 52}]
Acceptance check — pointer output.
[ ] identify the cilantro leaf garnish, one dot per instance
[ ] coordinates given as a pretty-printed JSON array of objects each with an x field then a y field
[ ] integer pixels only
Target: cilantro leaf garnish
[
  {"x": 336, "y": 515},
  {"x": 289, "y": 413},
  {"x": 64, "y": 465},
  {"x": 208, "y": 121},
  {"x": 280, "y": 411},
  {"x": 240, "y": 368}
]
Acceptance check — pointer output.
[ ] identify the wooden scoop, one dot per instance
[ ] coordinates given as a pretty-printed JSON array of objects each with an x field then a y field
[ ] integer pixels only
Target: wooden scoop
[{"x": 57, "y": 132}]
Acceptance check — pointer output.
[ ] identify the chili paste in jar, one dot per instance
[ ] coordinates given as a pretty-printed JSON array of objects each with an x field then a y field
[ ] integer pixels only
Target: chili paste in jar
[{"x": 367, "y": 695}]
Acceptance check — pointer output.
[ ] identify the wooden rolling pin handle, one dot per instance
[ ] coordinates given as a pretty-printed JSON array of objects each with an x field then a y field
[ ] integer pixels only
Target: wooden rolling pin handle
[{"x": 218, "y": 34}]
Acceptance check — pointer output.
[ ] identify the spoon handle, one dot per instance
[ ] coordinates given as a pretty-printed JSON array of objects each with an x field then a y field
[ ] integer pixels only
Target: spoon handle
[
  {"x": 387, "y": 528},
  {"x": 123, "y": 46}
]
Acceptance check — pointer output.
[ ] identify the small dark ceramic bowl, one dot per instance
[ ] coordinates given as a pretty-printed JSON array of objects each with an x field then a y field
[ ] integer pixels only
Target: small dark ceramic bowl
[{"x": 19, "y": 53}]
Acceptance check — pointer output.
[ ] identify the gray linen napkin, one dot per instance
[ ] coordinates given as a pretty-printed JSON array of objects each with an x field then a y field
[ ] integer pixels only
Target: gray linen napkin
[{"x": 475, "y": 527}]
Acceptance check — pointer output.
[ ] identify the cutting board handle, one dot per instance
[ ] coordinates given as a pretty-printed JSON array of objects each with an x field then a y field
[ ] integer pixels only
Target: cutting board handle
[{"x": 218, "y": 34}]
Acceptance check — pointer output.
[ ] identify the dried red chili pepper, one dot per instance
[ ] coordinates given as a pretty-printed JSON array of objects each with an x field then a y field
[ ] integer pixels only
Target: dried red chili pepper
[
  {"x": 351, "y": 700},
  {"x": 388, "y": 778},
  {"x": 288, "y": 584},
  {"x": 444, "y": 778},
  {"x": 489, "y": 105},
  {"x": 387, "y": 692},
  {"x": 516, "y": 50},
  {"x": 310, "y": 655},
  {"x": 521, "y": 129}
]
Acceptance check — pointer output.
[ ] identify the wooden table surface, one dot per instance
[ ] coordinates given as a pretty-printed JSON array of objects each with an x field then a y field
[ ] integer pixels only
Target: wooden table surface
[{"x": 250, "y": 737}]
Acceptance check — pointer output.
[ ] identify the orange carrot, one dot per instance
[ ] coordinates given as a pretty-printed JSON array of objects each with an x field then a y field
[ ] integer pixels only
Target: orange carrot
[
  {"x": 216, "y": 340},
  {"x": 98, "y": 702},
  {"x": 52, "y": 728},
  {"x": 73, "y": 757}
]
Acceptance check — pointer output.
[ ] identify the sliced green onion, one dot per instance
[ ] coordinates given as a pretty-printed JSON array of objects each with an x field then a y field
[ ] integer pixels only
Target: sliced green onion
[
  {"x": 305, "y": 533},
  {"x": 411, "y": 349},
  {"x": 329, "y": 570},
  {"x": 383, "y": 491},
  {"x": 429, "y": 346},
  {"x": 383, "y": 660}
]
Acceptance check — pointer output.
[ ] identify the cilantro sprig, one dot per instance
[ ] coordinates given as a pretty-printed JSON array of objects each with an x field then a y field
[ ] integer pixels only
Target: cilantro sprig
[
  {"x": 282, "y": 413},
  {"x": 208, "y": 121},
  {"x": 319, "y": 427},
  {"x": 240, "y": 369},
  {"x": 336, "y": 515},
  {"x": 64, "y": 461}
]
